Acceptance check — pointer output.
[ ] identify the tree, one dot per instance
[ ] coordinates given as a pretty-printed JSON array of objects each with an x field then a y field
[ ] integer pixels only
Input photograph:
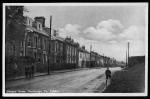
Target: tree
[{"x": 15, "y": 27}]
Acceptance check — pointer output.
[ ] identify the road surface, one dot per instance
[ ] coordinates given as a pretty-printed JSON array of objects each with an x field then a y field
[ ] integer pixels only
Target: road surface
[{"x": 82, "y": 81}]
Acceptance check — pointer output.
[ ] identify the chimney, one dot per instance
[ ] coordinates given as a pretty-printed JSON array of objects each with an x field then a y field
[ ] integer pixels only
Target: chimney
[
  {"x": 55, "y": 32},
  {"x": 40, "y": 19},
  {"x": 83, "y": 47}
]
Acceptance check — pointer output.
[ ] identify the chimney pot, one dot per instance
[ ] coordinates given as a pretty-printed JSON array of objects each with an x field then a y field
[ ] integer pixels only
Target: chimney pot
[{"x": 40, "y": 19}]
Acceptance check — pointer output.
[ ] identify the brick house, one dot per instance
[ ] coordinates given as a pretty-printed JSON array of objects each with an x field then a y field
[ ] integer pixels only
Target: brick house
[
  {"x": 94, "y": 59},
  {"x": 71, "y": 53},
  {"x": 57, "y": 52},
  {"x": 37, "y": 43},
  {"x": 84, "y": 57}
]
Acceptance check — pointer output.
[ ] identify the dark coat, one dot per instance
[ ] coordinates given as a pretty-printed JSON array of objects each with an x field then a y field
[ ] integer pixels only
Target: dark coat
[{"x": 107, "y": 72}]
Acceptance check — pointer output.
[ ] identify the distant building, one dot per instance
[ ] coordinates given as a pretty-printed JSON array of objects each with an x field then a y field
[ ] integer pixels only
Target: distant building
[
  {"x": 133, "y": 60},
  {"x": 99, "y": 60},
  {"x": 71, "y": 53},
  {"x": 84, "y": 57},
  {"x": 87, "y": 58},
  {"x": 57, "y": 53},
  {"x": 93, "y": 59}
]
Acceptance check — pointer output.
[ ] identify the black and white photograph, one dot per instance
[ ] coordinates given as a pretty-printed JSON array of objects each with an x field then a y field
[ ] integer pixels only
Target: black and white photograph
[{"x": 75, "y": 49}]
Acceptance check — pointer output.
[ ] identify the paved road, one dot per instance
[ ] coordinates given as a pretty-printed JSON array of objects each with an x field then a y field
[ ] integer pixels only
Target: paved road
[{"x": 70, "y": 82}]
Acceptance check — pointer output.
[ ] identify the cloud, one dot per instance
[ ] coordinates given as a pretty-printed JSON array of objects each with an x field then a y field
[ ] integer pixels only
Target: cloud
[
  {"x": 106, "y": 30},
  {"x": 98, "y": 34},
  {"x": 72, "y": 30},
  {"x": 110, "y": 25},
  {"x": 108, "y": 34},
  {"x": 133, "y": 33},
  {"x": 112, "y": 31}
]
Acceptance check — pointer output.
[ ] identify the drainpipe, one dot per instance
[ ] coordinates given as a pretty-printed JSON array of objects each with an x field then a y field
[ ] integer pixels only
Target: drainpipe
[{"x": 25, "y": 39}]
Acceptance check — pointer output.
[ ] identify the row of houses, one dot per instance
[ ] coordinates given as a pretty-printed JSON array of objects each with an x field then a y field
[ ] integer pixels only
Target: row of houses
[{"x": 48, "y": 50}]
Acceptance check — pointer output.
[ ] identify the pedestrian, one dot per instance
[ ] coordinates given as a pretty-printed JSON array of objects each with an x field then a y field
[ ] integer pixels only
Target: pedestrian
[
  {"x": 108, "y": 75},
  {"x": 26, "y": 71},
  {"x": 32, "y": 70},
  {"x": 15, "y": 69}
]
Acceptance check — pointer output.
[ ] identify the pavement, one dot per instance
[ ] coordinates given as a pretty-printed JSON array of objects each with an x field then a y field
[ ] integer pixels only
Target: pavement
[
  {"x": 84, "y": 81},
  {"x": 43, "y": 74}
]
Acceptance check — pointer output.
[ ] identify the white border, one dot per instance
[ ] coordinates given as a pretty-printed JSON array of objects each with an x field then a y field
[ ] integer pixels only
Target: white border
[
  {"x": 78, "y": 4},
  {"x": 3, "y": 52},
  {"x": 78, "y": 94}
]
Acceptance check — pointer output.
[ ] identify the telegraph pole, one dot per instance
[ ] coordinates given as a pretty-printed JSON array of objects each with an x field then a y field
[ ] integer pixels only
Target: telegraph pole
[
  {"x": 90, "y": 53},
  {"x": 128, "y": 54},
  {"x": 49, "y": 45},
  {"x": 126, "y": 59},
  {"x": 103, "y": 61}
]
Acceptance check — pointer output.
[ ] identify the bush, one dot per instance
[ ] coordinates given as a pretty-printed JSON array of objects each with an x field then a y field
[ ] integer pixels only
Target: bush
[{"x": 12, "y": 70}]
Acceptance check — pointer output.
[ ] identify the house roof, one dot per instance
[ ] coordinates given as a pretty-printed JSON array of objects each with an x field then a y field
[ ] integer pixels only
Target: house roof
[{"x": 30, "y": 28}]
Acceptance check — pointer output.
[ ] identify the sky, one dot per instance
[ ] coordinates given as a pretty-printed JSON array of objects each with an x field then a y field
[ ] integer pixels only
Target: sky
[{"x": 107, "y": 28}]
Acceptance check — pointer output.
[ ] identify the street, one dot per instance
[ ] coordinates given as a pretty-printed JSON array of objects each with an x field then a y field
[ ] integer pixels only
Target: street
[{"x": 81, "y": 81}]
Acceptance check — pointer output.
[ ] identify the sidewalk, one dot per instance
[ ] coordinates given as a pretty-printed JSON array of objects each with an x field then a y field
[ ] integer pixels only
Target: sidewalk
[
  {"x": 20, "y": 81},
  {"x": 51, "y": 73}
]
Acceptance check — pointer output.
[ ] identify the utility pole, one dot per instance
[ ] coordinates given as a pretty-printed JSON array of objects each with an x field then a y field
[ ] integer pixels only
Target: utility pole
[
  {"x": 126, "y": 59},
  {"x": 128, "y": 54},
  {"x": 49, "y": 45},
  {"x": 25, "y": 40},
  {"x": 90, "y": 54},
  {"x": 103, "y": 60}
]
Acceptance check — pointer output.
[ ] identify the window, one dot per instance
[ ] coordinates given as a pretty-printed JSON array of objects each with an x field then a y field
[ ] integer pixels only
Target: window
[
  {"x": 44, "y": 58},
  {"x": 39, "y": 43},
  {"x": 35, "y": 41},
  {"x": 43, "y": 43},
  {"x": 35, "y": 55},
  {"x": 21, "y": 44},
  {"x": 61, "y": 47},
  {"x": 39, "y": 26},
  {"x": 29, "y": 41},
  {"x": 80, "y": 55},
  {"x": 39, "y": 57},
  {"x": 29, "y": 22},
  {"x": 55, "y": 46},
  {"x": 21, "y": 53}
]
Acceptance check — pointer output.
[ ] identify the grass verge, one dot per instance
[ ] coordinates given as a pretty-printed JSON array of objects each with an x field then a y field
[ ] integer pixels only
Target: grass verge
[{"x": 130, "y": 80}]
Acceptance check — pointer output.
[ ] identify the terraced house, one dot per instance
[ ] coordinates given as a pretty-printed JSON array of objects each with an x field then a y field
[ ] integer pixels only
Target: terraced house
[
  {"x": 84, "y": 57},
  {"x": 30, "y": 41},
  {"x": 25, "y": 38},
  {"x": 57, "y": 53},
  {"x": 71, "y": 53},
  {"x": 37, "y": 43}
]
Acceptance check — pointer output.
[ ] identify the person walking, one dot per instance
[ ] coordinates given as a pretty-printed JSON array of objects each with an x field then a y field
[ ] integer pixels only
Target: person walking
[
  {"x": 32, "y": 70},
  {"x": 26, "y": 71},
  {"x": 15, "y": 69},
  {"x": 108, "y": 75}
]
